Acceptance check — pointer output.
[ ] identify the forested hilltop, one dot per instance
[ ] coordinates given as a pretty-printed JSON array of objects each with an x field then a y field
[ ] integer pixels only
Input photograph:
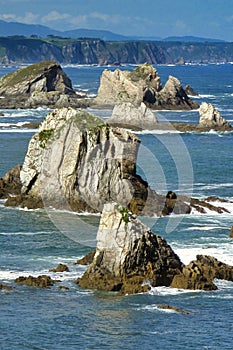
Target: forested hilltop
[{"x": 19, "y": 49}]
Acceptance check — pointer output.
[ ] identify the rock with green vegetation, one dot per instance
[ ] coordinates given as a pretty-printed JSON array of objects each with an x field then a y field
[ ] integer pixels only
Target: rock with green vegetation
[
  {"x": 142, "y": 85},
  {"x": 42, "y": 84}
]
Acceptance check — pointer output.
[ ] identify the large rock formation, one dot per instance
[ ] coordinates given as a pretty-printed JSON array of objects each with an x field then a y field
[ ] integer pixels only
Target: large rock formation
[
  {"x": 128, "y": 255},
  {"x": 128, "y": 115},
  {"x": 142, "y": 85},
  {"x": 210, "y": 117},
  {"x": 130, "y": 258},
  {"x": 76, "y": 161},
  {"x": 38, "y": 85}
]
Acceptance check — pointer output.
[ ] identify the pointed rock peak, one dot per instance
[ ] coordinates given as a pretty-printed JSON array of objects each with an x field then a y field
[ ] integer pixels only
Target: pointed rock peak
[{"x": 210, "y": 116}]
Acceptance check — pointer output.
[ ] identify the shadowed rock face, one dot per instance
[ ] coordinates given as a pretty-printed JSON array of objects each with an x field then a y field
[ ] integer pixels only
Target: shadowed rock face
[{"x": 142, "y": 85}]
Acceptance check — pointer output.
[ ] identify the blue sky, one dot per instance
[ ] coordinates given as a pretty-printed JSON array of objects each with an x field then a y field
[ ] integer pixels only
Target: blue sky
[{"x": 162, "y": 18}]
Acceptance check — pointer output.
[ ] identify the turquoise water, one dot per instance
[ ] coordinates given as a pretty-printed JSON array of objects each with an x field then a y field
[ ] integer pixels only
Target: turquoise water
[{"x": 32, "y": 242}]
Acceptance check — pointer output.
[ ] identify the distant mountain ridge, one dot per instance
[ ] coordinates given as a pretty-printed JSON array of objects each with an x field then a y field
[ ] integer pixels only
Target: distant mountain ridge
[{"x": 16, "y": 28}]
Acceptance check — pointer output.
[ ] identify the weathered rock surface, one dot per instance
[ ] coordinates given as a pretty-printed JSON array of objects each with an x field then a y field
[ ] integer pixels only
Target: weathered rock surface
[
  {"x": 210, "y": 117},
  {"x": 128, "y": 115},
  {"x": 42, "y": 281},
  {"x": 43, "y": 84},
  {"x": 128, "y": 255},
  {"x": 231, "y": 232},
  {"x": 10, "y": 183},
  {"x": 142, "y": 85},
  {"x": 60, "y": 268},
  {"x": 130, "y": 258}
]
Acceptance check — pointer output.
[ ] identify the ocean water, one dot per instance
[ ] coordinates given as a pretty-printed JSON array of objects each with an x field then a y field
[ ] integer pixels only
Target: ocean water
[{"x": 34, "y": 241}]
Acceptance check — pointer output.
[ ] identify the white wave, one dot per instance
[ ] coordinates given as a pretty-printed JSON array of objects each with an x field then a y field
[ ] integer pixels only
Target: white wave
[
  {"x": 156, "y": 131},
  {"x": 163, "y": 291},
  {"x": 205, "y": 96},
  {"x": 204, "y": 228}
]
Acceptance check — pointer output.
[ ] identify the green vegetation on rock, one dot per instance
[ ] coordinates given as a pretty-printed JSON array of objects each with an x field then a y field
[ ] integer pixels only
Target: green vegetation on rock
[{"x": 44, "y": 136}]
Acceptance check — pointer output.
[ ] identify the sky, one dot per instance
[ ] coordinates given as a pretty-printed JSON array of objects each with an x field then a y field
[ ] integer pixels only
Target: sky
[{"x": 156, "y": 18}]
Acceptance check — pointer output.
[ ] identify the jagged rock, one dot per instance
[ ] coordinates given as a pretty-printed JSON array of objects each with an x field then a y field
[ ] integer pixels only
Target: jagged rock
[
  {"x": 129, "y": 255},
  {"x": 10, "y": 183},
  {"x": 43, "y": 84},
  {"x": 76, "y": 161},
  {"x": 189, "y": 91},
  {"x": 87, "y": 259},
  {"x": 174, "y": 96},
  {"x": 128, "y": 115},
  {"x": 60, "y": 268},
  {"x": 42, "y": 281},
  {"x": 210, "y": 117},
  {"x": 200, "y": 273},
  {"x": 142, "y": 85},
  {"x": 231, "y": 232},
  {"x": 130, "y": 258}
]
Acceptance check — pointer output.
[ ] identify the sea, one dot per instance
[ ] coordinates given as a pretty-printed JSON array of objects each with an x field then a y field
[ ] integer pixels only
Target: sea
[{"x": 34, "y": 241}]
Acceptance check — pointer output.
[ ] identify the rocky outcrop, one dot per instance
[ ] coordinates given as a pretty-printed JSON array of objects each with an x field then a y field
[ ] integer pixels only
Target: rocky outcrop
[
  {"x": 43, "y": 84},
  {"x": 10, "y": 184},
  {"x": 128, "y": 115},
  {"x": 129, "y": 257},
  {"x": 42, "y": 281},
  {"x": 210, "y": 117},
  {"x": 142, "y": 85},
  {"x": 231, "y": 232},
  {"x": 78, "y": 162},
  {"x": 60, "y": 268}
]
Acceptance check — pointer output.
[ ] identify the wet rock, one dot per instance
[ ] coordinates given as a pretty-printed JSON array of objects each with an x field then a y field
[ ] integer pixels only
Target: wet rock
[
  {"x": 174, "y": 308},
  {"x": 87, "y": 259},
  {"x": 64, "y": 288},
  {"x": 60, "y": 268},
  {"x": 42, "y": 281},
  {"x": 231, "y": 232},
  {"x": 10, "y": 184},
  {"x": 5, "y": 287}
]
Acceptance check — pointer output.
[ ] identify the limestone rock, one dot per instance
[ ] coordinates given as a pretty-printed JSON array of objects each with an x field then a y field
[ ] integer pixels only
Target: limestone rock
[
  {"x": 142, "y": 85},
  {"x": 43, "y": 77},
  {"x": 173, "y": 96},
  {"x": 77, "y": 162},
  {"x": 129, "y": 255},
  {"x": 210, "y": 117},
  {"x": 127, "y": 115}
]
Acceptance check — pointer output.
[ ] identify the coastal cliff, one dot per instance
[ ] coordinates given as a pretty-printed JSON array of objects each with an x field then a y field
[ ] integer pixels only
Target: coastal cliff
[{"x": 20, "y": 49}]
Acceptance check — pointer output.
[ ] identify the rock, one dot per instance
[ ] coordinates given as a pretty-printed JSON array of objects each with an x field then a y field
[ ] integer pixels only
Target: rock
[
  {"x": 5, "y": 287},
  {"x": 142, "y": 85},
  {"x": 60, "y": 268},
  {"x": 199, "y": 274},
  {"x": 173, "y": 96},
  {"x": 87, "y": 259},
  {"x": 127, "y": 115},
  {"x": 64, "y": 288},
  {"x": 76, "y": 161},
  {"x": 173, "y": 308},
  {"x": 42, "y": 281},
  {"x": 189, "y": 91},
  {"x": 129, "y": 256},
  {"x": 231, "y": 232},
  {"x": 210, "y": 117},
  {"x": 10, "y": 183},
  {"x": 43, "y": 84}
]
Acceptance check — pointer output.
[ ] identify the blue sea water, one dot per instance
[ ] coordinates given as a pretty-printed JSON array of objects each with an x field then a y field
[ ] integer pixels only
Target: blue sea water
[{"x": 34, "y": 241}]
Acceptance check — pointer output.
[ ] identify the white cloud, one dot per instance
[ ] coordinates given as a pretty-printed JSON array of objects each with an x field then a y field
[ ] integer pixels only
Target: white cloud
[
  {"x": 28, "y": 17},
  {"x": 54, "y": 16}
]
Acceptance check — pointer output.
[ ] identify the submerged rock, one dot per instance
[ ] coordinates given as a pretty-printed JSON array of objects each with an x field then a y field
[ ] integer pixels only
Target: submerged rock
[
  {"x": 128, "y": 115},
  {"x": 142, "y": 85},
  {"x": 60, "y": 268}
]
